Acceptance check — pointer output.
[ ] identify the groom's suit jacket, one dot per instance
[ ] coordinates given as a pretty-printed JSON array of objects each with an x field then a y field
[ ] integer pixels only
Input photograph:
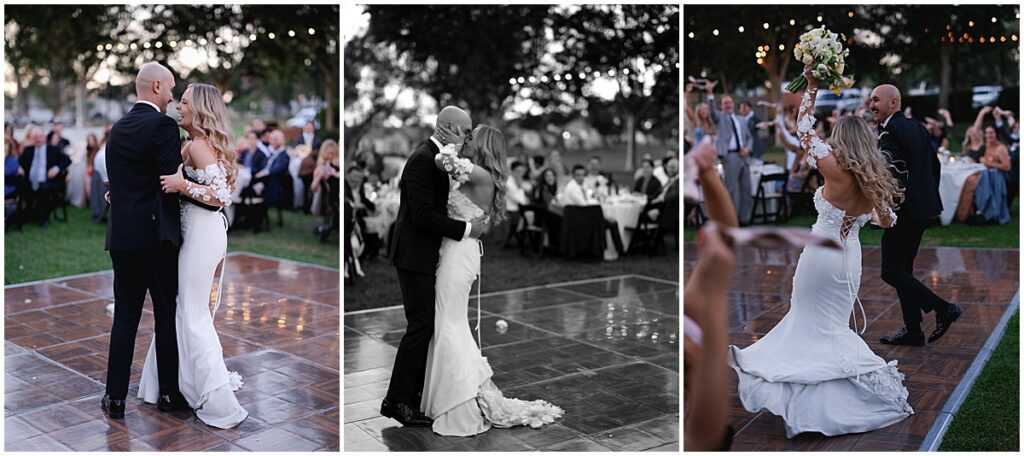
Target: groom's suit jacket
[
  {"x": 911, "y": 150},
  {"x": 142, "y": 146},
  {"x": 423, "y": 214}
]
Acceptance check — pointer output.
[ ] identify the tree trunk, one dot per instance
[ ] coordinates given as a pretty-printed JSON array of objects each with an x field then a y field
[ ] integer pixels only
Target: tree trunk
[
  {"x": 945, "y": 74},
  {"x": 329, "y": 85},
  {"x": 630, "y": 140},
  {"x": 80, "y": 104}
]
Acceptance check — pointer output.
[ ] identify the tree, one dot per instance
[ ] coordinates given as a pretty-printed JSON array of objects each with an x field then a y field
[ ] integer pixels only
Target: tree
[
  {"x": 638, "y": 47},
  {"x": 58, "y": 43}
]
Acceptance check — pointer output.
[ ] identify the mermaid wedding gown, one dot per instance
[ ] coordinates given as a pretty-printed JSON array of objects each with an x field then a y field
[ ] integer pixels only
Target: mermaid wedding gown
[
  {"x": 458, "y": 393},
  {"x": 203, "y": 378},
  {"x": 812, "y": 369}
]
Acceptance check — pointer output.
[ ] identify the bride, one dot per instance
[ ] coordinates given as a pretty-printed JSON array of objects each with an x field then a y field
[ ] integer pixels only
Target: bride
[
  {"x": 811, "y": 368},
  {"x": 206, "y": 185},
  {"x": 458, "y": 393}
]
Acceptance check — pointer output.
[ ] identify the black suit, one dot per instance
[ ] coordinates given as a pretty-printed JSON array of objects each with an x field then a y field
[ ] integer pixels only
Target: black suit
[
  {"x": 44, "y": 199},
  {"x": 912, "y": 152},
  {"x": 143, "y": 237},
  {"x": 422, "y": 222},
  {"x": 650, "y": 187}
]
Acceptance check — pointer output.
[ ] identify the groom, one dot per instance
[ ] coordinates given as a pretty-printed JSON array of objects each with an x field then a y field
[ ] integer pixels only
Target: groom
[
  {"x": 422, "y": 223},
  {"x": 143, "y": 236},
  {"x": 911, "y": 151}
]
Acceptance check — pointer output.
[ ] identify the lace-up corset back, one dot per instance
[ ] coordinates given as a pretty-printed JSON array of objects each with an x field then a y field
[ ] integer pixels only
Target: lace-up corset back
[
  {"x": 460, "y": 207},
  {"x": 835, "y": 222}
]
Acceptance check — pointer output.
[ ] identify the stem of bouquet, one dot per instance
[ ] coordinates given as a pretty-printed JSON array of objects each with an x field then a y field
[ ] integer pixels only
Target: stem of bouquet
[{"x": 796, "y": 84}]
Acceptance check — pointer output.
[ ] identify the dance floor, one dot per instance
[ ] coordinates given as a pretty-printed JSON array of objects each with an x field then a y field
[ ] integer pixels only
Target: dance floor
[
  {"x": 278, "y": 324},
  {"x": 981, "y": 281},
  {"x": 604, "y": 350}
]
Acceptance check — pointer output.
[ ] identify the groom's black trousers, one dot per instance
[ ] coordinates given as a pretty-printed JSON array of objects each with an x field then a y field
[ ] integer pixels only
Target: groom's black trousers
[
  {"x": 135, "y": 272},
  {"x": 411, "y": 360},
  {"x": 899, "y": 248}
]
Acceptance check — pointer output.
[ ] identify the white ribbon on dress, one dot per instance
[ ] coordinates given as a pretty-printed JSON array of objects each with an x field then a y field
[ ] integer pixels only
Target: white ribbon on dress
[
  {"x": 223, "y": 269},
  {"x": 479, "y": 285}
]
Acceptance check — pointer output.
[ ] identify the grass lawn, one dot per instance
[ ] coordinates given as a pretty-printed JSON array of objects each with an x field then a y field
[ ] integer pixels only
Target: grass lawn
[
  {"x": 989, "y": 419},
  {"x": 504, "y": 269},
  {"x": 76, "y": 247}
]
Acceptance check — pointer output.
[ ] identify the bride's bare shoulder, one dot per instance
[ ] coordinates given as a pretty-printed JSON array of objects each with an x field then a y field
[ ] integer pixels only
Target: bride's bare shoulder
[{"x": 201, "y": 152}]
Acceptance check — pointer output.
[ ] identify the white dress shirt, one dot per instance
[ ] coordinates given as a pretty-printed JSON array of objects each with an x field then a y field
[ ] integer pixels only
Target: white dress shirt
[
  {"x": 151, "y": 104},
  {"x": 573, "y": 195}
]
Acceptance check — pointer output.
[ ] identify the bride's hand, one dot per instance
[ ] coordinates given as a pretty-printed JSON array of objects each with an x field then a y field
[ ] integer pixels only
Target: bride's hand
[
  {"x": 812, "y": 83},
  {"x": 174, "y": 183}
]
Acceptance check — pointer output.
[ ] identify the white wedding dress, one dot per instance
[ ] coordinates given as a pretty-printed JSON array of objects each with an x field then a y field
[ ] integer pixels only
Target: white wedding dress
[
  {"x": 458, "y": 393},
  {"x": 812, "y": 369},
  {"x": 203, "y": 378}
]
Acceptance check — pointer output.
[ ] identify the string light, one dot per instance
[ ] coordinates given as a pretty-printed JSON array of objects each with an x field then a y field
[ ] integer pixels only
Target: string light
[
  {"x": 792, "y": 22},
  {"x": 691, "y": 35},
  {"x": 741, "y": 29},
  {"x": 782, "y": 47},
  {"x": 765, "y": 25},
  {"x": 970, "y": 23},
  {"x": 993, "y": 19},
  {"x": 311, "y": 31},
  {"x": 271, "y": 35},
  {"x": 714, "y": 32}
]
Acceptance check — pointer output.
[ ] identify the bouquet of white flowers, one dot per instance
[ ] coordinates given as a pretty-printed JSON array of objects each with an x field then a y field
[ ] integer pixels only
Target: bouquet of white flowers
[
  {"x": 824, "y": 51},
  {"x": 457, "y": 167}
]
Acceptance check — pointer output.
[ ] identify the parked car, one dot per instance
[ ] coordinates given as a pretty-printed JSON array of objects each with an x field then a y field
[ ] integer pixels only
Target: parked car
[
  {"x": 304, "y": 115},
  {"x": 985, "y": 95},
  {"x": 850, "y": 100}
]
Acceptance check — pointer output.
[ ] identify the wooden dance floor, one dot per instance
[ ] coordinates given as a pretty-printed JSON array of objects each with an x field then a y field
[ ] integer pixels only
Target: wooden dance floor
[
  {"x": 982, "y": 282},
  {"x": 604, "y": 350},
  {"x": 278, "y": 324}
]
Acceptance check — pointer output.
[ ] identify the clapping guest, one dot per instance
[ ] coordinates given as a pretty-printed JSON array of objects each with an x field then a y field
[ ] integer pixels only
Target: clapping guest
[
  {"x": 44, "y": 166},
  {"x": 647, "y": 184},
  {"x": 274, "y": 175}
]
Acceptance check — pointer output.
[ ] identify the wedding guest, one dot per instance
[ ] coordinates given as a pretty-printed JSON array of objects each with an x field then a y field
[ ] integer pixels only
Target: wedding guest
[
  {"x": 326, "y": 182},
  {"x": 647, "y": 184},
  {"x": 757, "y": 148},
  {"x": 96, "y": 160},
  {"x": 659, "y": 168},
  {"x": 369, "y": 160},
  {"x": 595, "y": 174},
  {"x": 44, "y": 166},
  {"x": 554, "y": 162},
  {"x": 274, "y": 175},
  {"x": 355, "y": 197},
  {"x": 733, "y": 145},
  {"x": 9, "y": 134},
  {"x": 974, "y": 141},
  {"x": 247, "y": 147},
  {"x": 700, "y": 123},
  {"x": 309, "y": 137},
  {"x": 517, "y": 187},
  {"x": 996, "y": 154},
  {"x": 12, "y": 176},
  {"x": 545, "y": 192},
  {"x": 575, "y": 194},
  {"x": 60, "y": 142},
  {"x": 640, "y": 169}
]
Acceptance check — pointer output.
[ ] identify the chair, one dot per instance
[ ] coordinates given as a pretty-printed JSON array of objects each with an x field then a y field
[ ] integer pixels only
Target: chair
[
  {"x": 761, "y": 199},
  {"x": 582, "y": 232},
  {"x": 804, "y": 199},
  {"x": 667, "y": 224}
]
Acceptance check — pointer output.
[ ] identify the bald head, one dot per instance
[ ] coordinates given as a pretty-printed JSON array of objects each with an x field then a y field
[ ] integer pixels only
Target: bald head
[
  {"x": 455, "y": 116},
  {"x": 884, "y": 101},
  {"x": 155, "y": 84}
]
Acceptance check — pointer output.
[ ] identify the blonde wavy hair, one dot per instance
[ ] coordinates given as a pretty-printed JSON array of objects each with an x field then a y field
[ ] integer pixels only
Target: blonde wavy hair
[
  {"x": 210, "y": 117},
  {"x": 489, "y": 150},
  {"x": 856, "y": 148},
  {"x": 329, "y": 152}
]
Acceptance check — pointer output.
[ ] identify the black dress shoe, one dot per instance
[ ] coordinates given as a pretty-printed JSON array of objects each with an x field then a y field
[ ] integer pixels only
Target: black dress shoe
[
  {"x": 113, "y": 407},
  {"x": 904, "y": 337},
  {"x": 169, "y": 403},
  {"x": 405, "y": 414},
  {"x": 943, "y": 321}
]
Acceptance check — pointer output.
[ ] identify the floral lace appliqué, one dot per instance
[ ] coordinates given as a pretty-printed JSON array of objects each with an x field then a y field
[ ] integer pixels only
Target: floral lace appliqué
[
  {"x": 504, "y": 412},
  {"x": 216, "y": 177},
  {"x": 816, "y": 148}
]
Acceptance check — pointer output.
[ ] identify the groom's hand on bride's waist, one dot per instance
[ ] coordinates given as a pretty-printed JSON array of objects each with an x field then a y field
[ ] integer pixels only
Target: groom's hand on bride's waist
[{"x": 477, "y": 227}]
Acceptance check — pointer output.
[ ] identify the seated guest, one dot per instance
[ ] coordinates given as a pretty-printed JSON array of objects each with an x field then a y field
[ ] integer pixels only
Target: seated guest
[
  {"x": 554, "y": 162},
  {"x": 546, "y": 190},
  {"x": 595, "y": 175},
  {"x": 274, "y": 175},
  {"x": 659, "y": 168},
  {"x": 575, "y": 194},
  {"x": 309, "y": 162},
  {"x": 669, "y": 193},
  {"x": 44, "y": 166},
  {"x": 355, "y": 197},
  {"x": 647, "y": 184},
  {"x": 326, "y": 182},
  {"x": 12, "y": 174},
  {"x": 517, "y": 187},
  {"x": 994, "y": 155},
  {"x": 247, "y": 146},
  {"x": 640, "y": 171}
]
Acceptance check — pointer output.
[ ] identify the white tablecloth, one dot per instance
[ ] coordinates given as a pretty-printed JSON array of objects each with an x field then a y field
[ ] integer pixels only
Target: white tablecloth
[
  {"x": 756, "y": 171},
  {"x": 951, "y": 183},
  {"x": 627, "y": 214}
]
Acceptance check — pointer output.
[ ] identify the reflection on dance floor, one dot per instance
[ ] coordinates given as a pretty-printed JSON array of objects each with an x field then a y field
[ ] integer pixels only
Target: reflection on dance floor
[
  {"x": 604, "y": 350},
  {"x": 278, "y": 324},
  {"x": 981, "y": 281}
]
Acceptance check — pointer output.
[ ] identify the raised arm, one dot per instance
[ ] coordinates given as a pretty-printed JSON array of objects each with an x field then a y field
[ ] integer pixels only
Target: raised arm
[
  {"x": 819, "y": 154},
  {"x": 978, "y": 121}
]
